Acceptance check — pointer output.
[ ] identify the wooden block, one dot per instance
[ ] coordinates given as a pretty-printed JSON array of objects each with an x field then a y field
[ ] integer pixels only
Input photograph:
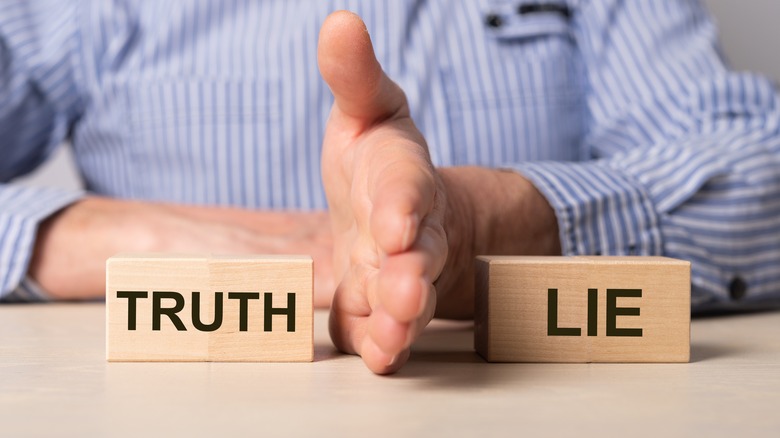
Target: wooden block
[
  {"x": 208, "y": 308},
  {"x": 582, "y": 309}
]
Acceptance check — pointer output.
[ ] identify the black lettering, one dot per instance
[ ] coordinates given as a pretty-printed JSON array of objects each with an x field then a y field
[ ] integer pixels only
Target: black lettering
[
  {"x": 243, "y": 305},
  {"x": 552, "y": 317},
  {"x": 158, "y": 310},
  {"x": 593, "y": 312},
  {"x": 270, "y": 311},
  {"x": 199, "y": 325},
  {"x": 613, "y": 311},
  {"x": 131, "y": 296}
]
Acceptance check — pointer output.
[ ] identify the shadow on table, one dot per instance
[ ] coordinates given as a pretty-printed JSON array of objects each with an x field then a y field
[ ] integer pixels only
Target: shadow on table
[
  {"x": 701, "y": 352},
  {"x": 444, "y": 358},
  {"x": 325, "y": 351},
  {"x": 726, "y": 313}
]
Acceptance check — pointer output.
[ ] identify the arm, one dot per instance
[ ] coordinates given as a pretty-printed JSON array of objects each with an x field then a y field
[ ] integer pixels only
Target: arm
[
  {"x": 684, "y": 165},
  {"x": 54, "y": 244},
  {"x": 73, "y": 245},
  {"x": 405, "y": 234},
  {"x": 685, "y": 153},
  {"x": 38, "y": 104}
]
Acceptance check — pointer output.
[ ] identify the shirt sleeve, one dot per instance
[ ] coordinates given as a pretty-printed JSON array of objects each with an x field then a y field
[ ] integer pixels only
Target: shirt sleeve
[
  {"x": 39, "y": 103},
  {"x": 684, "y": 153}
]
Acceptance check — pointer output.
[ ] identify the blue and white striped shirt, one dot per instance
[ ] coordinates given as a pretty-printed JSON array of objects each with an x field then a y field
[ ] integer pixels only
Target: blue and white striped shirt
[{"x": 621, "y": 113}]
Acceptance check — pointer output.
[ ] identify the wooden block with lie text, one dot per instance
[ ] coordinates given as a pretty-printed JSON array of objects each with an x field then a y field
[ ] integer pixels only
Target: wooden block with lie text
[
  {"x": 209, "y": 308},
  {"x": 582, "y": 309}
]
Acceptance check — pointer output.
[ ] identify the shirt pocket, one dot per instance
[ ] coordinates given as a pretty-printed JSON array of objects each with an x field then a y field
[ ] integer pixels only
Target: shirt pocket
[
  {"x": 518, "y": 96},
  {"x": 206, "y": 141}
]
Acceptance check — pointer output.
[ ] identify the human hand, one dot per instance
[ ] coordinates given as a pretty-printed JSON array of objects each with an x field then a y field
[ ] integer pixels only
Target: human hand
[
  {"x": 386, "y": 202},
  {"x": 398, "y": 223},
  {"x": 72, "y": 246}
]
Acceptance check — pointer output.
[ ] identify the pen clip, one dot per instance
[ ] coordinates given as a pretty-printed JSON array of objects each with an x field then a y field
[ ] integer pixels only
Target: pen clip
[{"x": 535, "y": 8}]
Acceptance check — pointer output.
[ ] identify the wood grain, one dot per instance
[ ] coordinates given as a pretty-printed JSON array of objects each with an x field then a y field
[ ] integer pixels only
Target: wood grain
[
  {"x": 515, "y": 323},
  {"x": 237, "y": 282}
]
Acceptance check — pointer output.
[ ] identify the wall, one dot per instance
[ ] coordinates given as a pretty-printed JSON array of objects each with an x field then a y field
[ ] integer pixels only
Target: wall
[{"x": 749, "y": 33}]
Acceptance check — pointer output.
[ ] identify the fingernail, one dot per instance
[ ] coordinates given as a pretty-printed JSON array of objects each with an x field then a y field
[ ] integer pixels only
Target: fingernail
[
  {"x": 409, "y": 230},
  {"x": 393, "y": 360},
  {"x": 411, "y": 331},
  {"x": 424, "y": 289}
]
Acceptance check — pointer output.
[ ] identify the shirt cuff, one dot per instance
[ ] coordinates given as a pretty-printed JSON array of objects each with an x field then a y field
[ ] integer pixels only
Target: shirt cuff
[
  {"x": 28, "y": 291},
  {"x": 22, "y": 209},
  {"x": 600, "y": 210}
]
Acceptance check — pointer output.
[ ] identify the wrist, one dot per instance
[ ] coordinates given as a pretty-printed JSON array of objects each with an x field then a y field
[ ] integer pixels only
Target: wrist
[
  {"x": 489, "y": 212},
  {"x": 71, "y": 246},
  {"x": 522, "y": 220},
  {"x": 504, "y": 213}
]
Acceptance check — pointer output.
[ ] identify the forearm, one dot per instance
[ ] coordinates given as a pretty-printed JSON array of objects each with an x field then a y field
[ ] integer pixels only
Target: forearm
[
  {"x": 689, "y": 170},
  {"x": 72, "y": 246}
]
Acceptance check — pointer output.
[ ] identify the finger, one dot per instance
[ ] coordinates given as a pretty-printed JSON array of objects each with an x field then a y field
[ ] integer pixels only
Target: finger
[
  {"x": 404, "y": 279},
  {"x": 380, "y": 362},
  {"x": 350, "y": 335},
  {"x": 347, "y": 63},
  {"x": 389, "y": 334},
  {"x": 402, "y": 188},
  {"x": 392, "y": 336},
  {"x": 347, "y": 329},
  {"x": 350, "y": 307}
]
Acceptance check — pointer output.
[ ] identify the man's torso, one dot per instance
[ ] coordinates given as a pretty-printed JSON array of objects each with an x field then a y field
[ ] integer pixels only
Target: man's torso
[{"x": 220, "y": 101}]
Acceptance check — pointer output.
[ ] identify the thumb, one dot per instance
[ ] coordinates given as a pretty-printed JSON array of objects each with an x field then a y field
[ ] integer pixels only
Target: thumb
[{"x": 364, "y": 94}]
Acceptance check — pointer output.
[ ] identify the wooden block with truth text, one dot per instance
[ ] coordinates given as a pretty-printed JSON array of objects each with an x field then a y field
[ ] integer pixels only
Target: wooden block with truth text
[
  {"x": 582, "y": 309},
  {"x": 209, "y": 308}
]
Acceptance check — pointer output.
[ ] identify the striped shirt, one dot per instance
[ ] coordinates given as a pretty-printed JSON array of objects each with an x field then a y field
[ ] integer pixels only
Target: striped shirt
[{"x": 621, "y": 112}]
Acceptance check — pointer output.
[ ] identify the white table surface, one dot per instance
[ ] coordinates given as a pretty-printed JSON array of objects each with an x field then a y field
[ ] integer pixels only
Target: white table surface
[{"x": 54, "y": 381}]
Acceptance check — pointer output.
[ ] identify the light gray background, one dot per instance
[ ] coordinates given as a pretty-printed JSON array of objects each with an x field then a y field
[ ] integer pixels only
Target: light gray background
[{"x": 749, "y": 33}]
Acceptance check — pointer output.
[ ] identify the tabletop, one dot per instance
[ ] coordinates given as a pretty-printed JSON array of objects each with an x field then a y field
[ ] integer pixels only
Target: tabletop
[{"x": 55, "y": 381}]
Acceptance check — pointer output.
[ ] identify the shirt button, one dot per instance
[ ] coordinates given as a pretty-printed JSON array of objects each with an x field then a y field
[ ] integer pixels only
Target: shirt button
[
  {"x": 737, "y": 288},
  {"x": 494, "y": 21}
]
